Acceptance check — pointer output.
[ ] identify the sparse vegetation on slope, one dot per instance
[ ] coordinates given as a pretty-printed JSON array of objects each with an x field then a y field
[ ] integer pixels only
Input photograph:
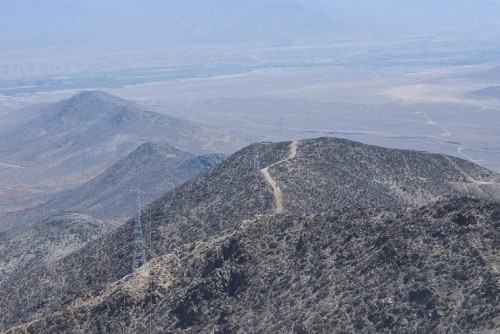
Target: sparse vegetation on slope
[
  {"x": 432, "y": 269},
  {"x": 314, "y": 181},
  {"x": 334, "y": 173},
  {"x": 47, "y": 241}
]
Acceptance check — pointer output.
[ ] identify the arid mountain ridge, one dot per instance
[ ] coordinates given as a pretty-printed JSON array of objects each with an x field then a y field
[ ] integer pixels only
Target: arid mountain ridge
[
  {"x": 156, "y": 168},
  {"x": 431, "y": 269},
  {"x": 307, "y": 179},
  {"x": 66, "y": 144}
]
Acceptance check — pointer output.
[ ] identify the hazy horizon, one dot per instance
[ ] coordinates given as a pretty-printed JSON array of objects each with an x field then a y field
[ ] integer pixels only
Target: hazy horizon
[
  {"x": 413, "y": 67},
  {"x": 114, "y": 25}
]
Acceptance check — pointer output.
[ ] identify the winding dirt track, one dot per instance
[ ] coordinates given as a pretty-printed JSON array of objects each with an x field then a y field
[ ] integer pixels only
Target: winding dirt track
[
  {"x": 278, "y": 195},
  {"x": 464, "y": 173}
]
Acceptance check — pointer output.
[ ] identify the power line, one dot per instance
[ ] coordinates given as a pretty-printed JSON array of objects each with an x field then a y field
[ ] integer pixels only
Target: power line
[
  {"x": 149, "y": 209},
  {"x": 138, "y": 249},
  {"x": 124, "y": 301},
  {"x": 256, "y": 165},
  {"x": 282, "y": 128}
]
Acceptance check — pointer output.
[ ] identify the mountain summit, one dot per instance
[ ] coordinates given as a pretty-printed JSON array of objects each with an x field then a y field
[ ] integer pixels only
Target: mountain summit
[
  {"x": 238, "y": 244},
  {"x": 70, "y": 142},
  {"x": 153, "y": 167}
]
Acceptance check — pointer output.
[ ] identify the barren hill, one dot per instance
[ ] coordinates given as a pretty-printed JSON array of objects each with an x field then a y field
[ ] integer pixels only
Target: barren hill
[
  {"x": 97, "y": 127},
  {"x": 308, "y": 177},
  {"x": 70, "y": 142},
  {"x": 155, "y": 168}
]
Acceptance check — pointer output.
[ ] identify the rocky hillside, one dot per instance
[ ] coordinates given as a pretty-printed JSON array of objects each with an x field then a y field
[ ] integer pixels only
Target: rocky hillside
[
  {"x": 306, "y": 177},
  {"x": 155, "y": 168},
  {"x": 431, "y": 269},
  {"x": 328, "y": 172},
  {"x": 47, "y": 241},
  {"x": 70, "y": 142}
]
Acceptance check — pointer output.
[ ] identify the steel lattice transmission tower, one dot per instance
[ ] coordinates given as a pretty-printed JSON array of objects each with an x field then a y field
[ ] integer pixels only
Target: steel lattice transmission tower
[
  {"x": 138, "y": 248},
  {"x": 256, "y": 166}
]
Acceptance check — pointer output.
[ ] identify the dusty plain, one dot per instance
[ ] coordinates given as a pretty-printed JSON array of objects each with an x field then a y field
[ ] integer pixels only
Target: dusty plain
[{"x": 424, "y": 108}]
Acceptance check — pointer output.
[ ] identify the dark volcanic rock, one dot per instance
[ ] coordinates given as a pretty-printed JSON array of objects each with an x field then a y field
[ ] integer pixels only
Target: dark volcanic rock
[
  {"x": 369, "y": 270},
  {"x": 330, "y": 172},
  {"x": 361, "y": 250}
]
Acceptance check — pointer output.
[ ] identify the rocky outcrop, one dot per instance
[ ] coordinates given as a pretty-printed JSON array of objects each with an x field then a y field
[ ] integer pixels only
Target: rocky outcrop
[{"x": 365, "y": 271}]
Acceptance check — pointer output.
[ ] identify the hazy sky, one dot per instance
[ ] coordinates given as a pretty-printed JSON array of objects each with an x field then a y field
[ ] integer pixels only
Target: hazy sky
[{"x": 35, "y": 24}]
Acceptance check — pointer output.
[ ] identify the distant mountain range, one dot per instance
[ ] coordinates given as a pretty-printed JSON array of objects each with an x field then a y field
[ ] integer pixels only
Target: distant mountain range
[
  {"x": 63, "y": 145},
  {"x": 90, "y": 25},
  {"x": 350, "y": 232},
  {"x": 384, "y": 14},
  {"x": 93, "y": 24}
]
